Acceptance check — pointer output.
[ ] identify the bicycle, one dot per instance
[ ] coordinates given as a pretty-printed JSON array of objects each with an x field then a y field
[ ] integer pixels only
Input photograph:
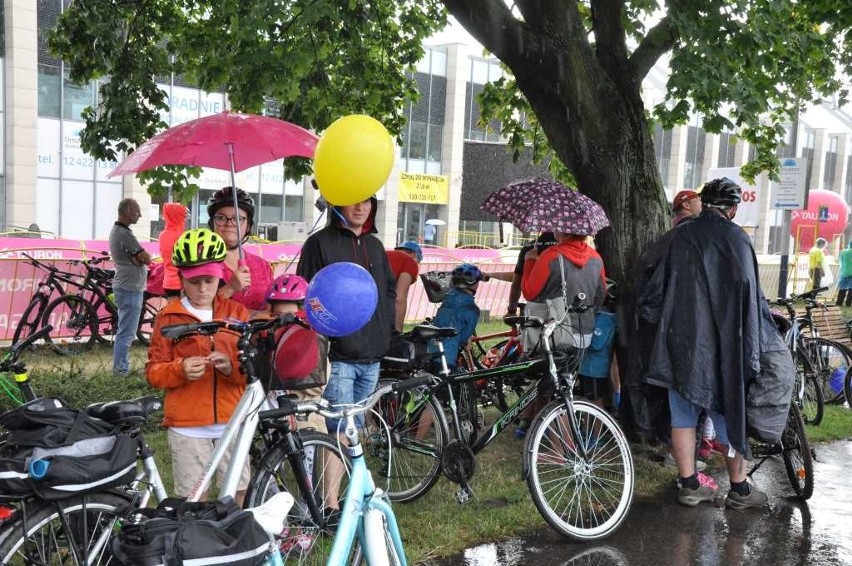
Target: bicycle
[
  {"x": 96, "y": 289},
  {"x": 18, "y": 389},
  {"x": 807, "y": 390},
  {"x": 39, "y": 528},
  {"x": 367, "y": 514},
  {"x": 577, "y": 462},
  {"x": 499, "y": 392},
  {"x": 69, "y": 315},
  {"x": 795, "y": 450}
]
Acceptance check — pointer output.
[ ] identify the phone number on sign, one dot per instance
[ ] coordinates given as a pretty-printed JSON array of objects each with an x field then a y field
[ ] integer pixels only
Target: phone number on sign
[{"x": 88, "y": 162}]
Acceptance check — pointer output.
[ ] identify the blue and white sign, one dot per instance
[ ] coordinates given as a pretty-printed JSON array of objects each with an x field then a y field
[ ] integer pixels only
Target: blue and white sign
[{"x": 790, "y": 192}]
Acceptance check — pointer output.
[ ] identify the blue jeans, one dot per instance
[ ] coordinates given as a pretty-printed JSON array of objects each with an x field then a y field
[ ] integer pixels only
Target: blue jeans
[
  {"x": 129, "y": 305},
  {"x": 349, "y": 383}
]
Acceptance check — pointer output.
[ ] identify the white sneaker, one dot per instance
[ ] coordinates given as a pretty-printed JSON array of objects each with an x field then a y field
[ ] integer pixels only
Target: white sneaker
[{"x": 669, "y": 462}]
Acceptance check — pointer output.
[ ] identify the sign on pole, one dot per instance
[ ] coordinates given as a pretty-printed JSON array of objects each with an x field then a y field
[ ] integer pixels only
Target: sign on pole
[
  {"x": 790, "y": 190},
  {"x": 748, "y": 211}
]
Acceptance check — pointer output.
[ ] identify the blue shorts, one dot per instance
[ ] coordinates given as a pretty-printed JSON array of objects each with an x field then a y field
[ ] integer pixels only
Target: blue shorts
[
  {"x": 349, "y": 383},
  {"x": 685, "y": 415}
]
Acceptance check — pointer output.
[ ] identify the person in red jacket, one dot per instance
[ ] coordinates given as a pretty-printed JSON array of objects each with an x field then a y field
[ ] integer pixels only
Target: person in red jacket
[
  {"x": 174, "y": 215},
  {"x": 201, "y": 374}
]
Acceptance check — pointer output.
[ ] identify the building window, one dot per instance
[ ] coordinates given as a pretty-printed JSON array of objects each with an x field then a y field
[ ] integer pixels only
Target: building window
[
  {"x": 294, "y": 208},
  {"x": 48, "y": 91},
  {"x": 727, "y": 150},
  {"x": 270, "y": 207},
  {"x": 77, "y": 98},
  {"x": 696, "y": 140},
  {"x": 663, "y": 147},
  {"x": 830, "y": 163}
]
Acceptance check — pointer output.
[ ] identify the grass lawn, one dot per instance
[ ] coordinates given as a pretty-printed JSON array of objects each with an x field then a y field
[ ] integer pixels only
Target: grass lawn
[{"x": 433, "y": 526}]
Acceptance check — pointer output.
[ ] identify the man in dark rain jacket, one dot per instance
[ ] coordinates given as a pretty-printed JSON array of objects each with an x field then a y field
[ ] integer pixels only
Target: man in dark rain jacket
[
  {"x": 354, "y": 357},
  {"x": 699, "y": 288}
]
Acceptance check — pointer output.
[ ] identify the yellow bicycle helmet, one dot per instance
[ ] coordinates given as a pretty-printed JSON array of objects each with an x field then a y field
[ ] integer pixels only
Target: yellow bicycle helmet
[{"x": 197, "y": 247}]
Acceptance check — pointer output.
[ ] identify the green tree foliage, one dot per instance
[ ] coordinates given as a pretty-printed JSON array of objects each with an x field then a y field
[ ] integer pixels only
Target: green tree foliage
[{"x": 303, "y": 61}]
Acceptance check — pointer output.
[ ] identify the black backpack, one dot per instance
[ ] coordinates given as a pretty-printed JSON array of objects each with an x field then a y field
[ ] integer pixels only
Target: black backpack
[
  {"x": 178, "y": 531},
  {"x": 55, "y": 452}
]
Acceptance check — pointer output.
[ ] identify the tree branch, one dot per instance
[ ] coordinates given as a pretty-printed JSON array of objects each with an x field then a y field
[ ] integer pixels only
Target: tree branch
[
  {"x": 610, "y": 44},
  {"x": 492, "y": 24},
  {"x": 545, "y": 14},
  {"x": 659, "y": 40}
]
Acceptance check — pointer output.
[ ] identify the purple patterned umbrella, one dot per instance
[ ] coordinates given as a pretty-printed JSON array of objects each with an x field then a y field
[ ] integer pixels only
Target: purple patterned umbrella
[{"x": 542, "y": 205}]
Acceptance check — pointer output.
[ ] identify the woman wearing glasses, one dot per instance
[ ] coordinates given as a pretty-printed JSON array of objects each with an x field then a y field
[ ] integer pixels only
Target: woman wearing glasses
[{"x": 246, "y": 280}]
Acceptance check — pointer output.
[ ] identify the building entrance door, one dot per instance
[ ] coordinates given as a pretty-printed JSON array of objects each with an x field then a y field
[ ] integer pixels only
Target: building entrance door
[{"x": 413, "y": 222}]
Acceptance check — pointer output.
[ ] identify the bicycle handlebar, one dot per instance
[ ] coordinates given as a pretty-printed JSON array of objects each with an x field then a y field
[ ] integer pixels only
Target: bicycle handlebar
[
  {"x": 807, "y": 296},
  {"x": 245, "y": 328},
  {"x": 323, "y": 407},
  {"x": 11, "y": 356}
]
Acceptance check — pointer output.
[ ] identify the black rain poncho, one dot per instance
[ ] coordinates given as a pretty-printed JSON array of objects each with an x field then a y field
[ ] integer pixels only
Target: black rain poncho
[{"x": 698, "y": 286}]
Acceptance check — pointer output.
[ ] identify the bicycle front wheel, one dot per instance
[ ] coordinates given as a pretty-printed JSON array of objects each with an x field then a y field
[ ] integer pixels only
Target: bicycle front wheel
[
  {"x": 830, "y": 360},
  {"x": 325, "y": 482},
  {"x": 74, "y": 325},
  {"x": 150, "y": 308},
  {"x": 408, "y": 457},
  {"x": 798, "y": 459},
  {"x": 581, "y": 498},
  {"x": 49, "y": 542}
]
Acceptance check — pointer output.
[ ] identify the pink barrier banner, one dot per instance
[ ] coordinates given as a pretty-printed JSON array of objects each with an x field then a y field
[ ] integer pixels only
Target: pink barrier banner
[{"x": 19, "y": 279}]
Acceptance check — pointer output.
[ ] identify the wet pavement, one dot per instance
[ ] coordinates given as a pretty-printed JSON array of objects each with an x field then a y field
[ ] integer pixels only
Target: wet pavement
[{"x": 661, "y": 532}]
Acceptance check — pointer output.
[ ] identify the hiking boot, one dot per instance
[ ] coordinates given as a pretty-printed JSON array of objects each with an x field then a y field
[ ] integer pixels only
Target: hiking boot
[
  {"x": 755, "y": 498},
  {"x": 669, "y": 462},
  {"x": 692, "y": 497}
]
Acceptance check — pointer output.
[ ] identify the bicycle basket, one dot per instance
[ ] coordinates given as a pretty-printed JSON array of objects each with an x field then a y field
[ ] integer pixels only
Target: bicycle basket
[{"x": 437, "y": 284}]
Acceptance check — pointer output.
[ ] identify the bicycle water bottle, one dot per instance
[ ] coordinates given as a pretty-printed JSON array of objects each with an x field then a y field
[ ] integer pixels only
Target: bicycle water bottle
[{"x": 111, "y": 298}]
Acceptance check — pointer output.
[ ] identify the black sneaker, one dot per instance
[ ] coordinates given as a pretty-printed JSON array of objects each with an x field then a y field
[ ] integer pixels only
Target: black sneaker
[{"x": 755, "y": 498}]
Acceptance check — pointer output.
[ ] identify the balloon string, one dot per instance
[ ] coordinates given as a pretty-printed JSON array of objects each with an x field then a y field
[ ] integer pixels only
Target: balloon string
[{"x": 311, "y": 231}]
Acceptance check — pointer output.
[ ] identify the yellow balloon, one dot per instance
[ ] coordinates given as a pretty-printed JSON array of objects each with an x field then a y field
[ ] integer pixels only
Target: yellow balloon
[{"x": 353, "y": 159}]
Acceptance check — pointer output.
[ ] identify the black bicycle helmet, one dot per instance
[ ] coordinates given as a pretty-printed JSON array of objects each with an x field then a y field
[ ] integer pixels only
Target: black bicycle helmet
[
  {"x": 466, "y": 274},
  {"x": 225, "y": 197},
  {"x": 721, "y": 193}
]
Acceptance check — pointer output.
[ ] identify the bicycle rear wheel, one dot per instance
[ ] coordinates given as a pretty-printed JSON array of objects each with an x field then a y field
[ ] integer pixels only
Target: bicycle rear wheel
[
  {"x": 74, "y": 325},
  {"x": 796, "y": 451},
  {"x": 408, "y": 457},
  {"x": 581, "y": 498},
  {"x": 830, "y": 361},
  {"x": 302, "y": 542},
  {"x": 49, "y": 542}
]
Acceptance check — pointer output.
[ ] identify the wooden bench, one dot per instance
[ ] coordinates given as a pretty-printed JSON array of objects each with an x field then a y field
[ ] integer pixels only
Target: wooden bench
[{"x": 830, "y": 323}]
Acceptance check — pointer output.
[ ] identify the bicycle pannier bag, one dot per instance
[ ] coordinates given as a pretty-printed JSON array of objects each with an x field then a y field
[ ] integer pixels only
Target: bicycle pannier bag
[
  {"x": 768, "y": 396},
  {"x": 183, "y": 533},
  {"x": 56, "y": 452},
  {"x": 299, "y": 359}
]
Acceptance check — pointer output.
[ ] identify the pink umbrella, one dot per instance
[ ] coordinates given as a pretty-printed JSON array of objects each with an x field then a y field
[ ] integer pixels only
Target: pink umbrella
[{"x": 229, "y": 140}]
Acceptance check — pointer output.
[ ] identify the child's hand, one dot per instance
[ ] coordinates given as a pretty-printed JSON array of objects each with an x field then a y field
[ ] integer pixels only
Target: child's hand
[
  {"x": 193, "y": 367},
  {"x": 220, "y": 362}
]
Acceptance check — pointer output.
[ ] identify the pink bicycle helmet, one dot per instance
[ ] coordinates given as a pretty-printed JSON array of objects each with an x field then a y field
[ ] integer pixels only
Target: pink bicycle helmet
[{"x": 289, "y": 288}]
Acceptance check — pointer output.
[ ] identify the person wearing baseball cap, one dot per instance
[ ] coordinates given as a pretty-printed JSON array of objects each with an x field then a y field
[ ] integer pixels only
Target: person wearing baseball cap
[
  {"x": 686, "y": 204},
  {"x": 404, "y": 261}
]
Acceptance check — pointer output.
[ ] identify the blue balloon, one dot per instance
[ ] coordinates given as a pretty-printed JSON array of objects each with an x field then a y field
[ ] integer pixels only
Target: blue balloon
[{"x": 341, "y": 299}]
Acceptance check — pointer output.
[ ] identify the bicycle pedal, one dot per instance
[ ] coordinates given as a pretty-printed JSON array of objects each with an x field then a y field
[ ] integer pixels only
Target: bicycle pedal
[{"x": 463, "y": 496}]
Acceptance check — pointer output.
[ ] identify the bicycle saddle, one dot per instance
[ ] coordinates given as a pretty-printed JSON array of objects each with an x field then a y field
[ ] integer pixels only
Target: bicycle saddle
[
  {"x": 530, "y": 321},
  {"x": 130, "y": 411},
  {"x": 425, "y": 332}
]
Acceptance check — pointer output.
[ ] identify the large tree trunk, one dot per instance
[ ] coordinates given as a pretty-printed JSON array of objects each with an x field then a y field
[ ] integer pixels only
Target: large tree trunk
[{"x": 587, "y": 99}]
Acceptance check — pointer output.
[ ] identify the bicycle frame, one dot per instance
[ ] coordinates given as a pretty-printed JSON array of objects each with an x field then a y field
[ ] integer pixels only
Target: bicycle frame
[{"x": 364, "y": 504}]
